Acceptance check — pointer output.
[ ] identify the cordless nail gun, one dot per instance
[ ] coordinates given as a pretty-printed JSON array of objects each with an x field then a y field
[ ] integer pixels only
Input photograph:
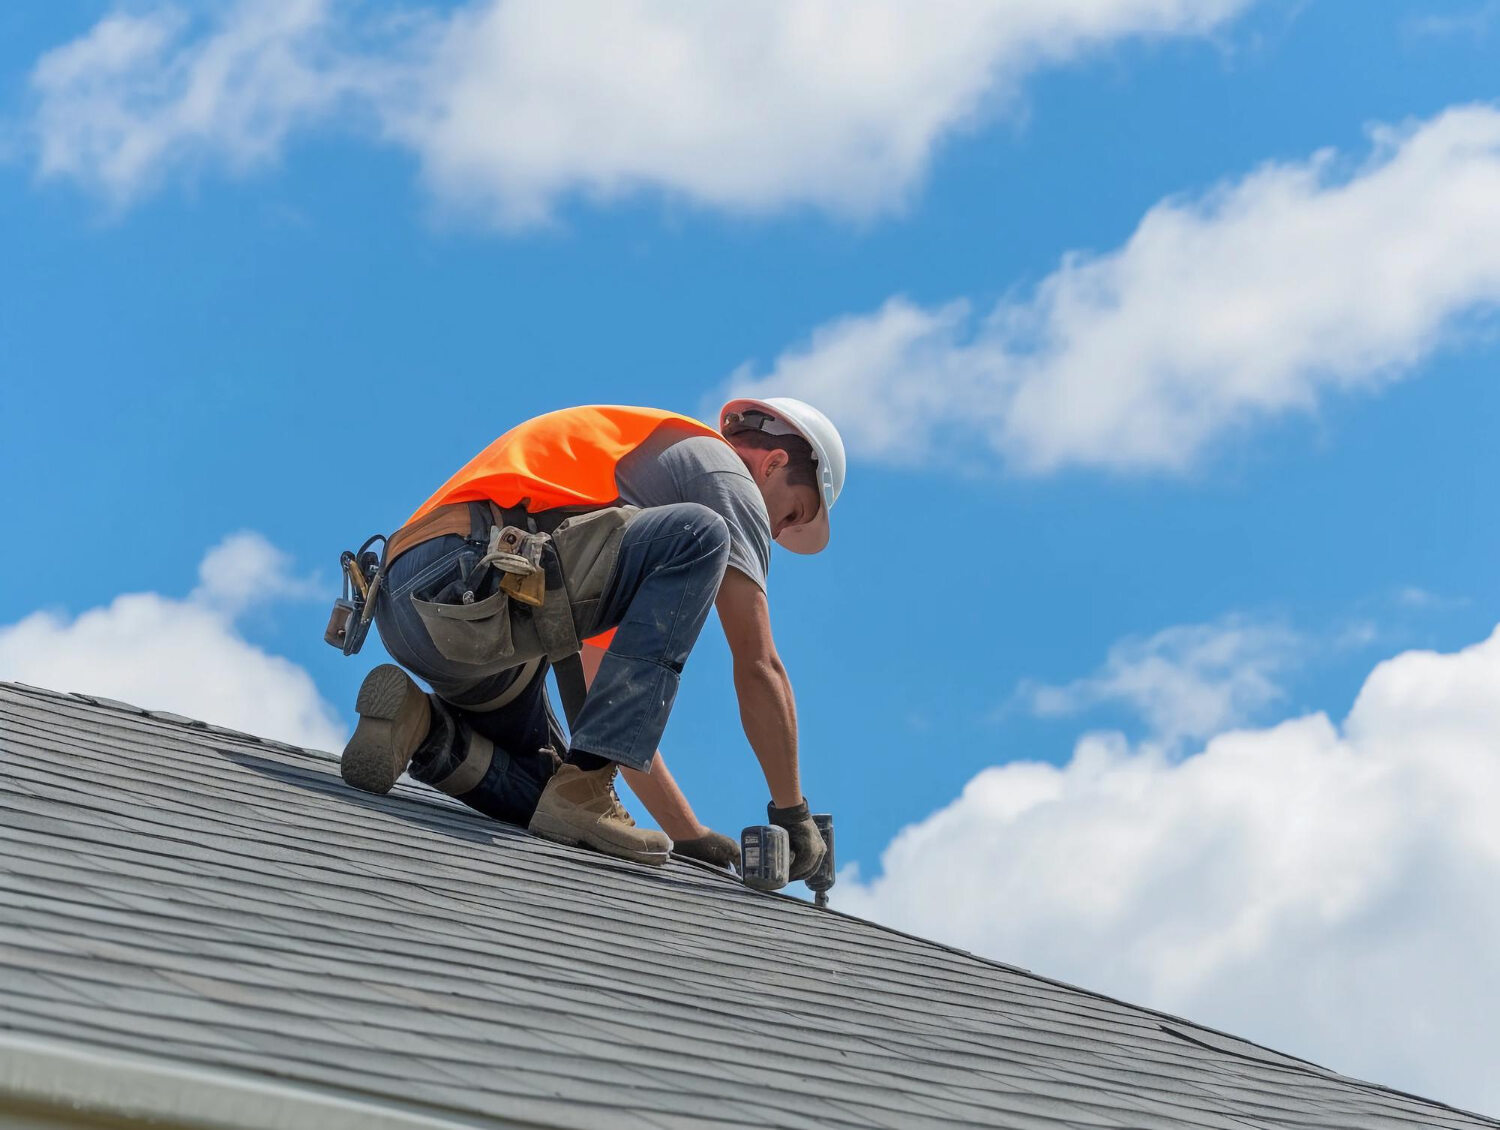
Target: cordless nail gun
[{"x": 766, "y": 858}]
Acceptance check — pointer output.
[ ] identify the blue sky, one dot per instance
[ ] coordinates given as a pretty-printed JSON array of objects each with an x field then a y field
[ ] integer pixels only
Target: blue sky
[{"x": 304, "y": 341}]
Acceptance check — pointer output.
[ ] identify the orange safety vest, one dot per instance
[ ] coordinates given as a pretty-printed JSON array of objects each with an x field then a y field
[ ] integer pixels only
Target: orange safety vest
[{"x": 565, "y": 458}]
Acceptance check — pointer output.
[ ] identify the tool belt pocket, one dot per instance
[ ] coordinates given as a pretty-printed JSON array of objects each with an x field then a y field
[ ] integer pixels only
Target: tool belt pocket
[
  {"x": 544, "y": 581},
  {"x": 589, "y": 548},
  {"x": 493, "y": 630},
  {"x": 479, "y": 633}
]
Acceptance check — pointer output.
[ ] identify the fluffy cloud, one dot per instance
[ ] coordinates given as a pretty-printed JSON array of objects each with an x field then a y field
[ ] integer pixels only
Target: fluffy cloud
[
  {"x": 185, "y": 656},
  {"x": 1332, "y": 891},
  {"x": 142, "y": 94},
  {"x": 512, "y": 104},
  {"x": 1251, "y": 301},
  {"x": 244, "y": 570},
  {"x": 1188, "y": 681}
]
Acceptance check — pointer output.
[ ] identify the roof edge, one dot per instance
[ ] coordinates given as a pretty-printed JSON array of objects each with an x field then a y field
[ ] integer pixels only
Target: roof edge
[
  {"x": 60, "y": 1082},
  {"x": 363, "y": 1106}
]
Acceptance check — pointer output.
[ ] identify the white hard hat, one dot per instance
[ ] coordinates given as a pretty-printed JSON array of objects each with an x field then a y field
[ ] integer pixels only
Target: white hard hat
[{"x": 782, "y": 415}]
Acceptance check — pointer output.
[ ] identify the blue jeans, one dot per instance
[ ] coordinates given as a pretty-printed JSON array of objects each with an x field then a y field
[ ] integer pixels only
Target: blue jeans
[{"x": 670, "y": 565}]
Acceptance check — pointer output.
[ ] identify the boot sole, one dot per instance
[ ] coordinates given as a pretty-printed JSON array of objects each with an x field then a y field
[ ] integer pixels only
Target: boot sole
[
  {"x": 551, "y": 828},
  {"x": 373, "y": 759}
]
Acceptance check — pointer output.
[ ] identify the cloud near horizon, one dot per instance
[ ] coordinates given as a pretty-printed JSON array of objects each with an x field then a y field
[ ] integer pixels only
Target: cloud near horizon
[
  {"x": 748, "y": 108},
  {"x": 1256, "y": 300},
  {"x": 186, "y": 656},
  {"x": 1332, "y": 891}
]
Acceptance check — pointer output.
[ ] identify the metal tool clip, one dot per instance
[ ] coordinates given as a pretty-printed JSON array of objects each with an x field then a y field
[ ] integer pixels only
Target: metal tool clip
[
  {"x": 349, "y": 622},
  {"x": 518, "y": 555}
]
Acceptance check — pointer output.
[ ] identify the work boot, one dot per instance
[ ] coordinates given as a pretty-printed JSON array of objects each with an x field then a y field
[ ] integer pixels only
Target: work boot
[
  {"x": 394, "y": 717},
  {"x": 579, "y": 806}
]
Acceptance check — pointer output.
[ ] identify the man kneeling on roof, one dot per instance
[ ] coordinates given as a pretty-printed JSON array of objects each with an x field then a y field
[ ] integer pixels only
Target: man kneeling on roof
[{"x": 609, "y": 530}]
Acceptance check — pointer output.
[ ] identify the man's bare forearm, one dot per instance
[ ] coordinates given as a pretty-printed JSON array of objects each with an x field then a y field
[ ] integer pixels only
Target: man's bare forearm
[
  {"x": 664, "y": 800},
  {"x": 768, "y": 712}
]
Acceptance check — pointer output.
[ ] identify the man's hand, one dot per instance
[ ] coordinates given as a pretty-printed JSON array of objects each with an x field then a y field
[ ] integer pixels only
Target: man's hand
[
  {"x": 808, "y": 848},
  {"x": 711, "y": 847}
]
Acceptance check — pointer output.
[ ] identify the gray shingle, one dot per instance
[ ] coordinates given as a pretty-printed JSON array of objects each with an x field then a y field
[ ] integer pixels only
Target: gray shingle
[{"x": 211, "y": 899}]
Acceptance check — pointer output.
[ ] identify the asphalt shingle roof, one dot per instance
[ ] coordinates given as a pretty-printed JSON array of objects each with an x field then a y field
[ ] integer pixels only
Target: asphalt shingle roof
[{"x": 200, "y": 897}]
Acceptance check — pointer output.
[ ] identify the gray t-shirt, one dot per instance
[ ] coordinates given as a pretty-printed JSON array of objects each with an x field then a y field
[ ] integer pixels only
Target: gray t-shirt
[{"x": 672, "y": 467}]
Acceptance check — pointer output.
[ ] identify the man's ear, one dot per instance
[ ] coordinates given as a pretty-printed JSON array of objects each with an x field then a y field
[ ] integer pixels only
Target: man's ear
[{"x": 776, "y": 459}]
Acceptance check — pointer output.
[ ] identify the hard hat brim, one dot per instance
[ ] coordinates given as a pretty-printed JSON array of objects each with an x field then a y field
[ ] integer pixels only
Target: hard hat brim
[{"x": 810, "y": 537}]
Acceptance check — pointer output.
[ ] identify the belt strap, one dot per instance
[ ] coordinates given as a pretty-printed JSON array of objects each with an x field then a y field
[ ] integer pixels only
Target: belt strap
[
  {"x": 572, "y": 687},
  {"x": 553, "y": 618},
  {"x": 444, "y": 520},
  {"x": 468, "y": 519},
  {"x": 461, "y": 518}
]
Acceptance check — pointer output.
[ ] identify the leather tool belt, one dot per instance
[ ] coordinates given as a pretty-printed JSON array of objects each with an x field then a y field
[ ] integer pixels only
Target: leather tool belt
[
  {"x": 469, "y": 519},
  {"x": 547, "y": 563}
]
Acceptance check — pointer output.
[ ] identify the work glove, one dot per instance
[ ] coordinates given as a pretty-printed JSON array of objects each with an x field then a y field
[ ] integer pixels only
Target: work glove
[
  {"x": 711, "y": 847},
  {"x": 808, "y": 848}
]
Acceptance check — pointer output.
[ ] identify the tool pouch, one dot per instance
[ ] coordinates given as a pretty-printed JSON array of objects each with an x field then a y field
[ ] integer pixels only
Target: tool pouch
[
  {"x": 588, "y": 548},
  {"x": 476, "y": 633},
  {"x": 349, "y": 622},
  {"x": 477, "y": 628},
  {"x": 545, "y": 582},
  {"x": 343, "y": 626}
]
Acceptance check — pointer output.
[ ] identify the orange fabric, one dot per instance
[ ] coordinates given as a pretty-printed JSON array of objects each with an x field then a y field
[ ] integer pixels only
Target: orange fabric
[{"x": 565, "y": 458}]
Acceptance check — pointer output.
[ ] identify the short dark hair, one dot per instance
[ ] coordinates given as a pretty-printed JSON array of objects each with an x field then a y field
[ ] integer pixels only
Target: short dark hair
[{"x": 802, "y": 465}]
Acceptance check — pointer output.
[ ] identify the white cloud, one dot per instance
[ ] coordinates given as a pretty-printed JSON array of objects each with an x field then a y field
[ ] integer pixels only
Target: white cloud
[
  {"x": 513, "y": 104},
  {"x": 245, "y": 569},
  {"x": 1188, "y": 681},
  {"x": 185, "y": 656},
  {"x": 1473, "y": 22},
  {"x": 1413, "y": 596},
  {"x": 745, "y": 106},
  {"x": 1331, "y": 891},
  {"x": 1253, "y": 301},
  {"x": 141, "y": 95}
]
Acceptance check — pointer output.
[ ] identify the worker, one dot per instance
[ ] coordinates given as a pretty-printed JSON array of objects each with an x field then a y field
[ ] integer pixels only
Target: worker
[{"x": 596, "y": 538}]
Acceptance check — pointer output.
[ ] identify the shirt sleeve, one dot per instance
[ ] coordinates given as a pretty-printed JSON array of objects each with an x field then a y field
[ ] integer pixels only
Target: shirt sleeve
[
  {"x": 734, "y": 498},
  {"x": 705, "y": 470}
]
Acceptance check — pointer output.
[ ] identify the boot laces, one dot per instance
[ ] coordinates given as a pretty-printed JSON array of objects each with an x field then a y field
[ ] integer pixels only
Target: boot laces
[{"x": 617, "y": 809}]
